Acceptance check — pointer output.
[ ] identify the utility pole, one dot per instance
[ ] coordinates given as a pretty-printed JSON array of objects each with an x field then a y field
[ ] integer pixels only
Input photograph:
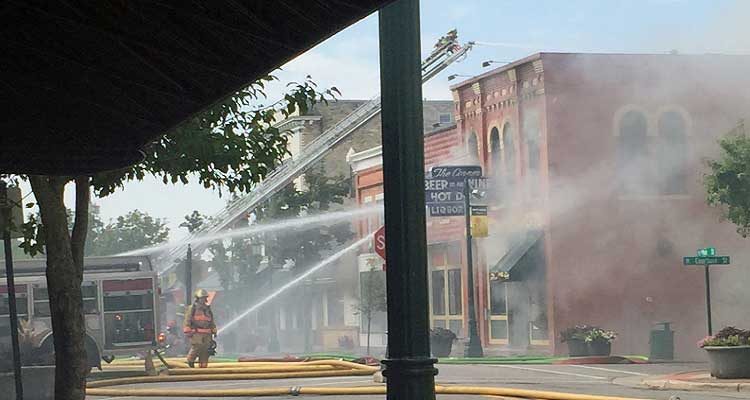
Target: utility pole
[
  {"x": 188, "y": 278},
  {"x": 6, "y": 215},
  {"x": 409, "y": 369},
  {"x": 474, "y": 347}
]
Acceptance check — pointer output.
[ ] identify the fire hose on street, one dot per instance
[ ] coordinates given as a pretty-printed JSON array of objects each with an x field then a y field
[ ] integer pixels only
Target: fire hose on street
[{"x": 178, "y": 371}]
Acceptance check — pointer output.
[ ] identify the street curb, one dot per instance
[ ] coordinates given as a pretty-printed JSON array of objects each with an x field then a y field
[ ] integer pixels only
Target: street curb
[{"x": 665, "y": 382}]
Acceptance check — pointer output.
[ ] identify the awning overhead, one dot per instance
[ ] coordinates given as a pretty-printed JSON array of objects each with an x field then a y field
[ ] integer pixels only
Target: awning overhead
[
  {"x": 86, "y": 84},
  {"x": 503, "y": 269}
]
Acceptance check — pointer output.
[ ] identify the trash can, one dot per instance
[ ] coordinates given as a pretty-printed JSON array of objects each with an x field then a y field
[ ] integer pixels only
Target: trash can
[{"x": 662, "y": 342}]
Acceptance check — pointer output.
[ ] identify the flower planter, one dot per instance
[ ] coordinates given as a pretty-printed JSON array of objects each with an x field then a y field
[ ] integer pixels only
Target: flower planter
[
  {"x": 577, "y": 348},
  {"x": 729, "y": 362},
  {"x": 441, "y": 348},
  {"x": 599, "y": 348}
]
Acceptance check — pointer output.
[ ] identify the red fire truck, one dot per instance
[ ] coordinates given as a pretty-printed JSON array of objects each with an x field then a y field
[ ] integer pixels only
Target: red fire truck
[{"x": 120, "y": 303}]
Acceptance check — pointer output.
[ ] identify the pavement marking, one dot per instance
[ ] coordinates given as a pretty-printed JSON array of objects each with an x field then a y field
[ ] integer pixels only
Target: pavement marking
[
  {"x": 550, "y": 371},
  {"x": 609, "y": 370}
]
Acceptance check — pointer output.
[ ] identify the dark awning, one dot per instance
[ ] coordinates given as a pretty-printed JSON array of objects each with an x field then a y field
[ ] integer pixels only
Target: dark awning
[
  {"x": 503, "y": 269},
  {"x": 86, "y": 84}
]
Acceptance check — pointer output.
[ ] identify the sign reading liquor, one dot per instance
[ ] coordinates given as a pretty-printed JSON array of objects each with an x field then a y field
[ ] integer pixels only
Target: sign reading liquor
[{"x": 444, "y": 187}]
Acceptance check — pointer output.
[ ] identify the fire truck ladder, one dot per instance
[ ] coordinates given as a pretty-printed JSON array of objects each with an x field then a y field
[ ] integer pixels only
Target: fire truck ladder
[{"x": 445, "y": 53}]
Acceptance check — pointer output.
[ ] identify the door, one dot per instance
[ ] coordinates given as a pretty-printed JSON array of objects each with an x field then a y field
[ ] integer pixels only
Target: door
[
  {"x": 498, "y": 312},
  {"x": 446, "y": 300}
]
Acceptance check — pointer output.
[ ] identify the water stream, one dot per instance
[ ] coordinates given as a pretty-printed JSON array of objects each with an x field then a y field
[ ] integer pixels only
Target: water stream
[
  {"x": 317, "y": 219},
  {"x": 296, "y": 281}
]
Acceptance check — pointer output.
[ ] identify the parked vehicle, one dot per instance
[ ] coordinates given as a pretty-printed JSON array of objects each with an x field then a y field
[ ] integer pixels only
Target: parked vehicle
[{"x": 120, "y": 304}]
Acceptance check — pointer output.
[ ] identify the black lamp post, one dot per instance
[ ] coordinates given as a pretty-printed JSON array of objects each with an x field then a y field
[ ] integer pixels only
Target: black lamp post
[
  {"x": 487, "y": 63},
  {"x": 454, "y": 76},
  {"x": 474, "y": 347}
]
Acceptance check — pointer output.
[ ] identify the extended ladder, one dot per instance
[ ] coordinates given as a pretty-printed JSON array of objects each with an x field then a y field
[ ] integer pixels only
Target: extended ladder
[{"x": 445, "y": 53}]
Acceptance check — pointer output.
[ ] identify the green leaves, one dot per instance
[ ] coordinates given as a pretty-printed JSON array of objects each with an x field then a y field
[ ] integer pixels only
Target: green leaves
[
  {"x": 232, "y": 145},
  {"x": 728, "y": 183}
]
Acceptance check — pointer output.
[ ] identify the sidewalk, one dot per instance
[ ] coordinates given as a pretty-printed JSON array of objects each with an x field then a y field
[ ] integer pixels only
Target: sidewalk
[{"x": 689, "y": 381}]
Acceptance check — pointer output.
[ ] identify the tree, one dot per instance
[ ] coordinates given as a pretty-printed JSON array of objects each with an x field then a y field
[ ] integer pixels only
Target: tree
[
  {"x": 728, "y": 183},
  {"x": 134, "y": 230},
  {"x": 372, "y": 298},
  {"x": 230, "y": 146}
]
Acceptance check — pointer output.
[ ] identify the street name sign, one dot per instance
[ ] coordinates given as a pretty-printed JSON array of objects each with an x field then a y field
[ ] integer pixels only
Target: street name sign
[{"x": 716, "y": 260}]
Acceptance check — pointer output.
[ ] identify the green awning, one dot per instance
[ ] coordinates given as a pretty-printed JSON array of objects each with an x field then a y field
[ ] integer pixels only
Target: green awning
[{"x": 503, "y": 268}]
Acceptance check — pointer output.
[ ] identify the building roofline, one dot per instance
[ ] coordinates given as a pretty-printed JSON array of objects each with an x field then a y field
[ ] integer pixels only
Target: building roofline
[
  {"x": 503, "y": 68},
  {"x": 441, "y": 129},
  {"x": 540, "y": 55}
]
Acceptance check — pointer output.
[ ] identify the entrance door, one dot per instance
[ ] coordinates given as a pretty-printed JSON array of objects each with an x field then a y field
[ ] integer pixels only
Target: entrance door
[
  {"x": 446, "y": 301},
  {"x": 498, "y": 312}
]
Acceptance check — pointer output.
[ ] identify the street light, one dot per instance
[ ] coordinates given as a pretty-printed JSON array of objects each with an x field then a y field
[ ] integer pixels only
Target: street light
[
  {"x": 488, "y": 62},
  {"x": 474, "y": 347},
  {"x": 454, "y": 76}
]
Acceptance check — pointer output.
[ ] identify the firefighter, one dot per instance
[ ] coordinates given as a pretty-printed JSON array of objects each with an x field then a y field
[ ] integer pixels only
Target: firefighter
[{"x": 200, "y": 328}]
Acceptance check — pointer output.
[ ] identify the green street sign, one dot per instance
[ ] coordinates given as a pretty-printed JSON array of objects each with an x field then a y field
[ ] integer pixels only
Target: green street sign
[
  {"x": 707, "y": 252},
  {"x": 716, "y": 260}
]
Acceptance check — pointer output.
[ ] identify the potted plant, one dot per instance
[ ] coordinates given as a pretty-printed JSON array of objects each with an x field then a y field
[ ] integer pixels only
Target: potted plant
[
  {"x": 728, "y": 353},
  {"x": 599, "y": 341},
  {"x": 575, "y": 337},
  {"x": 441, "y": 341}
]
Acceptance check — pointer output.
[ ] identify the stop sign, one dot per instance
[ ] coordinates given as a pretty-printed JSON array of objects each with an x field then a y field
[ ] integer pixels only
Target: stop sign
[{"x": 379, "y": 240}]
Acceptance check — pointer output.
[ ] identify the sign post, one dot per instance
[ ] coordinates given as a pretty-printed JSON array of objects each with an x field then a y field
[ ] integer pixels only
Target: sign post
[
  {"x": 707, "y": 257},
  {"x": 10, "y": 210}
]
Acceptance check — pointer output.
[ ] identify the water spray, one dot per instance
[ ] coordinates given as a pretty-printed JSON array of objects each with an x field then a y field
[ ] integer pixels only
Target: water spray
[
  {"x": 297, "y": 280},
  {"x": 316, "y": 219}
]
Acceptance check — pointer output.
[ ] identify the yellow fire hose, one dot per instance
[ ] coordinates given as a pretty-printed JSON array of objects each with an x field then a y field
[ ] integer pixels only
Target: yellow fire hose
[{"x": 178, "y": 372}]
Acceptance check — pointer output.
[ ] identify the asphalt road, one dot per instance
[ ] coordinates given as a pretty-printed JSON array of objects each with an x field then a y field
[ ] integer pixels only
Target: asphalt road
[{"x": 588, "y": 379}]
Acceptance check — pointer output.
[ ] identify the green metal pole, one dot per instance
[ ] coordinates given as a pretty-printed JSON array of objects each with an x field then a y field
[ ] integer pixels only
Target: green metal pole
[{"x": 410, "y": 370}]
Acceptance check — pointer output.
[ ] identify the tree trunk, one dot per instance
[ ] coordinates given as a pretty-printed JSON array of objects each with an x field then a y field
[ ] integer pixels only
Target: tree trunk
[{"x": 64, "y": 277}]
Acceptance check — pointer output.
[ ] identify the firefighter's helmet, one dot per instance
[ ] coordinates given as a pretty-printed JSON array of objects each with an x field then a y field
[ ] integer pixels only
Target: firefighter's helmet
[{"x": 200, "y": 293}]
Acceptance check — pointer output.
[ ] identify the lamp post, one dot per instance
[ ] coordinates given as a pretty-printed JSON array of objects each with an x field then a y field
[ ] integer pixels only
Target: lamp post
[
  {"x": 474, "y": 347},
  {"x": 487, "y": 63},
  {"x": 454, "y": 76}
]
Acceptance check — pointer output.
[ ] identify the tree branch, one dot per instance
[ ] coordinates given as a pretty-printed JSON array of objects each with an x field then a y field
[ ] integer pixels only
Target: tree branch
[{"x": 81, "y": 224}]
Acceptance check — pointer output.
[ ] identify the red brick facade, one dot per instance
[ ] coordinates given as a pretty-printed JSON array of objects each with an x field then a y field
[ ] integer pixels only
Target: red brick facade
[{"x": 605, "y": 155}]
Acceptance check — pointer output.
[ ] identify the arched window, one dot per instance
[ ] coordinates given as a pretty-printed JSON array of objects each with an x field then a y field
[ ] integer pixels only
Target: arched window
[
  {"x": 495, "y": 150},
  {"x": 632, "y": 153},
  {"x": 509, "y": 151},
  {"x": 472, "y": 148},
  {"x": 672, "y": 153}
]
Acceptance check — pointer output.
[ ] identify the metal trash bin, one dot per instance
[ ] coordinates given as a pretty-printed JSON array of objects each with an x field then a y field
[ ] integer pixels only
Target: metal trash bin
[{"x": 662, "y": 342}]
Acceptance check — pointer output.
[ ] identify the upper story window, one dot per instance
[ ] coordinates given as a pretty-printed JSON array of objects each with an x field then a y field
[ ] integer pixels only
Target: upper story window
[
  {"x": 472, "y": 148},
  {"x": 672, "y": 164},
  {"x": 632, "y": 153},
  {"x": 445, "y": 118},
  {"x": 495, "y": 150},
  {"x": 509, "y": 154}
]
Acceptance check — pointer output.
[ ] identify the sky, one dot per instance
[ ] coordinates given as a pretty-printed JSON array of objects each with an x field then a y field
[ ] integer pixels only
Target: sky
[{"x": 503, "y": 31}]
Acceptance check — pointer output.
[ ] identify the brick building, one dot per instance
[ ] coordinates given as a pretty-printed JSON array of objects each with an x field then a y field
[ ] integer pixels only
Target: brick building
[
  {"x": 597, "y": 163},
  {"x": 331, "y": 294}
]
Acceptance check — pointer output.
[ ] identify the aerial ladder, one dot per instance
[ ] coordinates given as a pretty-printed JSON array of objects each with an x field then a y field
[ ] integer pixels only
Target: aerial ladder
[{"x": 446, "y": 51}]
